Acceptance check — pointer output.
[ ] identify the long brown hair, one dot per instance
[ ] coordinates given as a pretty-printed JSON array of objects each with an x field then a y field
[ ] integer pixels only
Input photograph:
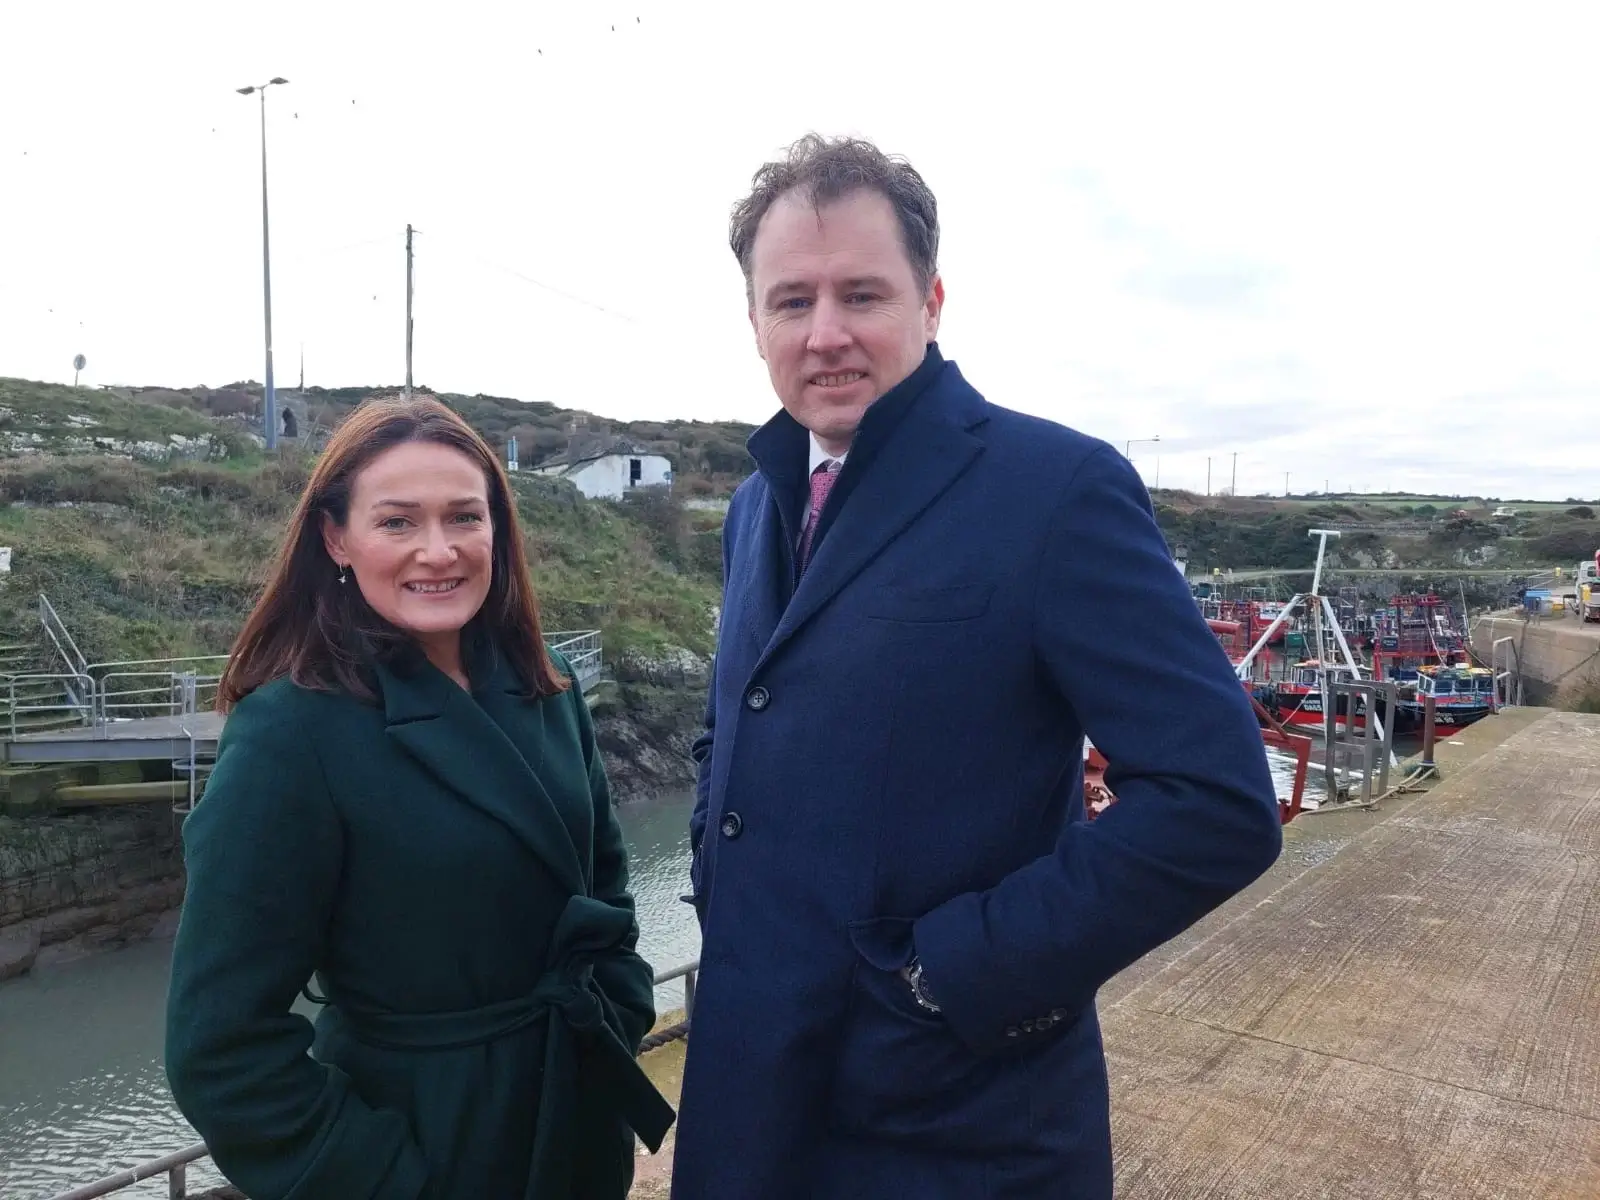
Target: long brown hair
[{"x": 326, "y": 637}]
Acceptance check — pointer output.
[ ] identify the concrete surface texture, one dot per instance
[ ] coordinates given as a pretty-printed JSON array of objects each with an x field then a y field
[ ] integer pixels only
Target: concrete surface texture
[
  {"x": 1414, "y": 1016},
  {"x": 1560, "y": 655}
]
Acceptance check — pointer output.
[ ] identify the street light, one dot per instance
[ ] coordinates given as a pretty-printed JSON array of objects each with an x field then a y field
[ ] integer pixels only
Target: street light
[
  {"x": 269, "y": 406},
  {"x": 1127, "y": 453}
]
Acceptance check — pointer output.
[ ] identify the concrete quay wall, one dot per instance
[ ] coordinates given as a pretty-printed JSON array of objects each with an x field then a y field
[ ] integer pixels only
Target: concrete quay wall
[{"x": 1559, "y": 655}]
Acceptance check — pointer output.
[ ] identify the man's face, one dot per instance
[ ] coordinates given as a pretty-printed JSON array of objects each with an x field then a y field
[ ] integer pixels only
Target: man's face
[{"x": 837, "y": 312}]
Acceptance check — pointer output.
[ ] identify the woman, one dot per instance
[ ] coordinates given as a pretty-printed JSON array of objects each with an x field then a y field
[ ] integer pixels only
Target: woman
[{"x": 408, "y": 802}]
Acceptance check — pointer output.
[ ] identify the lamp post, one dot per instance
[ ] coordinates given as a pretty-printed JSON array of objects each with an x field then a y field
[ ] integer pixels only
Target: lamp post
[
  {"x": 1127, "y": 450},
  {"x": 269, "y": 405}
]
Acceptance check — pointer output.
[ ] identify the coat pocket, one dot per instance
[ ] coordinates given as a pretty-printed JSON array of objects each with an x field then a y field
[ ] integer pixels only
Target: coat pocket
[
  {"x": 920, "y": 605},
  {"x": 904, "y": 1077}
]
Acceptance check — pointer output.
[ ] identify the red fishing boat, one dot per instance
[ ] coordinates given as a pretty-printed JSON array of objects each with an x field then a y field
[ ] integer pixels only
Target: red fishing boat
[
  {"x": 1097, "y": 796},
  {"x": 1297, "y": 699}
]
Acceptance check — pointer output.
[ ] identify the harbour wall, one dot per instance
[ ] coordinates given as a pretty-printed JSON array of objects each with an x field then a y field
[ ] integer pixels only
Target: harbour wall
[{"x": 1559, "y": 655}]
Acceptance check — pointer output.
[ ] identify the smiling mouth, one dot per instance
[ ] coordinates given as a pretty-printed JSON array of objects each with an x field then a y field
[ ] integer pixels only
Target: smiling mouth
[
  {"x": 433, "y": 587},
  {"x": 843, "y": 379}
]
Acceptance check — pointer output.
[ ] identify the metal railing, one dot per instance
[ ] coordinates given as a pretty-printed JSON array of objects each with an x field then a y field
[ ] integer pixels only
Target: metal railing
[
  {"x": 1510, "y": 675},
  {"x": 77, "y": 697},
  {"x": 158, "y": 687},
  {"x": 1363, "y": 752},
  {"x": 102, "y": 693},
  {"x": 175, "y": 1165},
  {"x": 581, "y": 648},
  {"x": 60, "y": 637}
]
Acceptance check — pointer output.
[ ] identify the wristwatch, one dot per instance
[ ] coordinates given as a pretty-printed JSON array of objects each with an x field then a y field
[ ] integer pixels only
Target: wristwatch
[{"x": 919, "y": 986}]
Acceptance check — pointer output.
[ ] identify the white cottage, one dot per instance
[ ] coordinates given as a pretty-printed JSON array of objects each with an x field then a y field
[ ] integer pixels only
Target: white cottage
[{"x": 609, "y": 470}]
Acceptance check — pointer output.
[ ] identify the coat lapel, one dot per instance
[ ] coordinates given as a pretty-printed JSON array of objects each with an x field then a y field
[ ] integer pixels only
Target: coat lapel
[
  {"x": 929, "y": 450},
  {"x": 449, "y": 733}
]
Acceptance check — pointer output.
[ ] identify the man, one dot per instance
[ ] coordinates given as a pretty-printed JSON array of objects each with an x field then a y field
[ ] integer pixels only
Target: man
[{"x": 929, "y": 601}]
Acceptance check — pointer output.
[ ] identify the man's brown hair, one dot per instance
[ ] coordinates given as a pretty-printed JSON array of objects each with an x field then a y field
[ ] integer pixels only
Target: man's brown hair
[{"x": 822, "y": 170}]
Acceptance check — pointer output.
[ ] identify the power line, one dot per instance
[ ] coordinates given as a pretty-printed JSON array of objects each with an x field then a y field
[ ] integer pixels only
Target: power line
[{"x": 538, "y": 283}]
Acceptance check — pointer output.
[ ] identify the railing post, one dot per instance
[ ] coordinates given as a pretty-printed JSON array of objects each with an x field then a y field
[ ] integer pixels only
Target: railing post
[
  {"x": 688, "y": 995},
  {"x": 178, "y": 1183},
  {"x": 1429, "y": 713}
]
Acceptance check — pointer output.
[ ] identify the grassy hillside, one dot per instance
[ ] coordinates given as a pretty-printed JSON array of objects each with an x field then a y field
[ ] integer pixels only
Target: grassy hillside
[
  {"x": 1386, "y": 532},
  {"x": 154, "y": 560},
  {"x": 709, "y": 457},
  {"x": 149, "y": 516}
]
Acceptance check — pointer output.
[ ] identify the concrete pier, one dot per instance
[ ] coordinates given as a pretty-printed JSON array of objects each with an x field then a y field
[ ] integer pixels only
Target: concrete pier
[
  {"x": 1410, "y": 1009},
  {"x": 1406, "y": 1007}
]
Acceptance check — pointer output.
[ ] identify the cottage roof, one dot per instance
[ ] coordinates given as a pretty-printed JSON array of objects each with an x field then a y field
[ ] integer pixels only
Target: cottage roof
[{"x": 579, "y": 455}]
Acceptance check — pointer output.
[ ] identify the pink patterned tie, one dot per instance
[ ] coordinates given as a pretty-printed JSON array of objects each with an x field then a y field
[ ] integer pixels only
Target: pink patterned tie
[{"x": 822, "y": 480}]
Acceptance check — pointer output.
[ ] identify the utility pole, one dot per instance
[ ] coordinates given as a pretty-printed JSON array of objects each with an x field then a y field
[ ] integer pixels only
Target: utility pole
[
  {"x": 1234, "y": 487},
  {"x": 269, "y": 400},
  {"x": 1286, "y": 484},
  {"x": 408, "y": 310},
  {"x": 1208, "y": 475}
]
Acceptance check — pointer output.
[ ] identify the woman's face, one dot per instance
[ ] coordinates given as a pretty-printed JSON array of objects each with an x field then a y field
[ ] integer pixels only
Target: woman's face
[{"x": 419, "y": 539}]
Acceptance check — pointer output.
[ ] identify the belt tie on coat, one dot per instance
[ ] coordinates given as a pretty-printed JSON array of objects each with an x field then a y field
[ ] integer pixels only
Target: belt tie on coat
[{"x": 567, "y": 997}]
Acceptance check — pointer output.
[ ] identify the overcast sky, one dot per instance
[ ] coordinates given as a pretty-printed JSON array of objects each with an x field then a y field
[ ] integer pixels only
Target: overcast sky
[{"x": 1360, "y": 244}]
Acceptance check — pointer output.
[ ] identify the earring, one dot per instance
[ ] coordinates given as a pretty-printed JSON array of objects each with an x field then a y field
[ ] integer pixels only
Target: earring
[{"x": 343, "y": 568}]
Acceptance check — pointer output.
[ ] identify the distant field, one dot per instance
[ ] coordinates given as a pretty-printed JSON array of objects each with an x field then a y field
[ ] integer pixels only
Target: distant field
[{"x": 1439, "y": 502}]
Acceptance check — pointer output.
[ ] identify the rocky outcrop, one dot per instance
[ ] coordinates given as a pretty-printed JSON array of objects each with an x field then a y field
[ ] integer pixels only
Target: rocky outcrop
[
  {"x": 646, "y": 718},
  {"x": 645, "y": 731}
]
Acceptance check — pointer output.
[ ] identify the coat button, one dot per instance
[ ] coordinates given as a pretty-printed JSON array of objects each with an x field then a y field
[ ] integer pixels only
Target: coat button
[
  {"x": 757, "y": 698},
  {"x": 732, "y": 825}
]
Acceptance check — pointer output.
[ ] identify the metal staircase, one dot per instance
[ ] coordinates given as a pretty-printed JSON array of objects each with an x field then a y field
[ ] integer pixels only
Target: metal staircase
[{"x": 37, "y": 693}]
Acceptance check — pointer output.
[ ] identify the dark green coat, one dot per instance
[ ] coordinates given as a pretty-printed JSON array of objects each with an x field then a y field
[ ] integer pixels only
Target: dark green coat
[{"x": 450, "y": 867}]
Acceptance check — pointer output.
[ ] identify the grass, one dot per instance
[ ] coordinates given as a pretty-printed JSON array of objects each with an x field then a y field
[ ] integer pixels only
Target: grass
[
  {"x": 153, "y": 560},
  {"x": 57, "y": 419}
]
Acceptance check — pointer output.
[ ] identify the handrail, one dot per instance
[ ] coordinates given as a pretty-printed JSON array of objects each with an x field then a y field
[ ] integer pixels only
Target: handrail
[
  {"x": 1503, "y": 679},
  {"x": 83, "y": 708},
  {"x": 157, "y": 662},
  {"x": 176, "y": 686},
  {"x": 582, "y": 649},
  {"x": 174, "y": 1165},
  {"x": 47, "y": 615},
  {"x": 174, "y": 692}
]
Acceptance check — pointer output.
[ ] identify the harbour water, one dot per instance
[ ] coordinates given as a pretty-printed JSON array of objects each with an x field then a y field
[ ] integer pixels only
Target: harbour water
[{"x": 82, "y": 1091}]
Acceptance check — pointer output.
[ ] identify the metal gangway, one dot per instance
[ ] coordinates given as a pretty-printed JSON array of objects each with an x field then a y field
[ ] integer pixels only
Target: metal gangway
[{"x": 158, "y": 708}]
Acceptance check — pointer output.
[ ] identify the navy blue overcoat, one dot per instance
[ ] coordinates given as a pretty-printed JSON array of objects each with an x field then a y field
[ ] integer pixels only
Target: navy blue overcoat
[{"x": 893, "y": 764}]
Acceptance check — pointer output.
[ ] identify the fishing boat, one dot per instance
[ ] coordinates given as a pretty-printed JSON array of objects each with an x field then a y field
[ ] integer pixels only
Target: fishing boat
[
  {"x": 1296, "y": 699},
  {"x": 1300, "y": 695},
  {"x": 1460, "y": 696},
  {"x": 1266, "y": 618},
  {"x": 1417, "y": 636}
]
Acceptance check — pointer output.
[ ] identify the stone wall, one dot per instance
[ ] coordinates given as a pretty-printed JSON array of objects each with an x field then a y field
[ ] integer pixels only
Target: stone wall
[
  {"x": 72, "y": 884},
  {"x": 1560, "y": 656}
]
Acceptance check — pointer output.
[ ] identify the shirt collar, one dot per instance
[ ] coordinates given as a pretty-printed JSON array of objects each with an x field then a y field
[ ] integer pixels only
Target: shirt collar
[{"x": 820, "y": 456}]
